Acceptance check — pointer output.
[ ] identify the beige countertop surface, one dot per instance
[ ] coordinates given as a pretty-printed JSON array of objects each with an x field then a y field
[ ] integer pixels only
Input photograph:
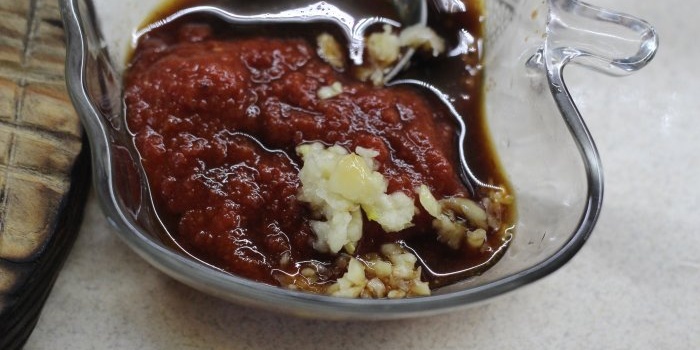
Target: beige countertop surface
[{"x": 634, "y": 285}]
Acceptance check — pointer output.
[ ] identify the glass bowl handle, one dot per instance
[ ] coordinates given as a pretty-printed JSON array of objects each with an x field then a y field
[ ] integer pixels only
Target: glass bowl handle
[{"x": 605, "y": 40}]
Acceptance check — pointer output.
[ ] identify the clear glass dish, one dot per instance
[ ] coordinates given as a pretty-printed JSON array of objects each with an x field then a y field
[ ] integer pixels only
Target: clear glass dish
[{"x": 541, "y": 139}]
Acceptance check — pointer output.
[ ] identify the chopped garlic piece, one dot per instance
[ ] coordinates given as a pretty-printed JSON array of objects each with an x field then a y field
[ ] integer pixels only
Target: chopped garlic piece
[
  {"x": 476, "y": 238},
  {"x": 308, "y": 272},
  {"x": 391, "y": 249},
  {"x": 352, "y": 283},
  {"x": 333, "y": 90},
  {"x": 393, "y": 212},
  {"x": 403, "y": 265},
  {"x": 471, "y": 211},
  {"x": 396, "y": 294},
  {"x": 494, "y": 206},
  {"x": 330, "y": 51},
  {"x": 366, "y": 153},
  {"x": 449, "y": 231},
  {"x": 370, "y": 73},
  {"x": 354, "y": 179},
  {"x": 337, "y": 185},
  {"x": 378, "y": 278},
  {"x": 421, "y": 37},
  {"x": 380, "y": 268},
  {"x": 383, "y": 47},
  {"x": 340, "y": 229},
  {"x": 419, "y": 288},
  {"x": 428, "y": 201},
  {"x": 376, "y": 288},
  {"x": 383, "y": 50},
  {"x": 452, "y": 231}
]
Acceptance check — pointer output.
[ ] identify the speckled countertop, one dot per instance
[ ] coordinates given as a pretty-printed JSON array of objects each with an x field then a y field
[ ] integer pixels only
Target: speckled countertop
[{"x": 635, "y": 285}]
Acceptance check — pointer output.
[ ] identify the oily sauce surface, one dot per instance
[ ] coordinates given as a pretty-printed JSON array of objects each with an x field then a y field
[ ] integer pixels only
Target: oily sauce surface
[{"x": 217, "y": 112}]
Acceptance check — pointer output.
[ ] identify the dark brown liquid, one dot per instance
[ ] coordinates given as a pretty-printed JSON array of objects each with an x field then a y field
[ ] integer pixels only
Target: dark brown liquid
[{"x": 459, "y": 75}]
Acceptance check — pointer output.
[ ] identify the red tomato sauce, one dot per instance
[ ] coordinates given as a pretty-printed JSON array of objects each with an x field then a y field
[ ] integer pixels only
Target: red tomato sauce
[{"x": 216, "y": 121}]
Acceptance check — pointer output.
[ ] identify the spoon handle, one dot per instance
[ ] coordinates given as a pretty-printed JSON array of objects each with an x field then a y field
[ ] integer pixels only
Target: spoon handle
[{"x": 353, "y": 29}]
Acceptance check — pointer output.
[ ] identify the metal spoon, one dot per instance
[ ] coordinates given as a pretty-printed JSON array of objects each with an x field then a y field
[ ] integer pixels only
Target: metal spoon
[{"x": 411, "y": 12}]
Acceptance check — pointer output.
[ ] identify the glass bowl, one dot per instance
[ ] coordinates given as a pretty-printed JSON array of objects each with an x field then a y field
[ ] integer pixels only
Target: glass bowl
[{"x": 539, "y": 135}]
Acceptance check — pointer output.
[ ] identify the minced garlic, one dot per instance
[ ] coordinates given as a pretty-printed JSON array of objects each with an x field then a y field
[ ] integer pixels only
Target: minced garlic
[
  {"x": 330, "y": 91},
  {"x": 384, "y": 47},
  {"x": 451, "y": 230},
  {"x": 384, "y": 50},
  {"x": 392, "y": 275},
  {"x": 337, "y": 185},
  {"x": 330, "y": 51},
  {"x": 422, "y": 37}
]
